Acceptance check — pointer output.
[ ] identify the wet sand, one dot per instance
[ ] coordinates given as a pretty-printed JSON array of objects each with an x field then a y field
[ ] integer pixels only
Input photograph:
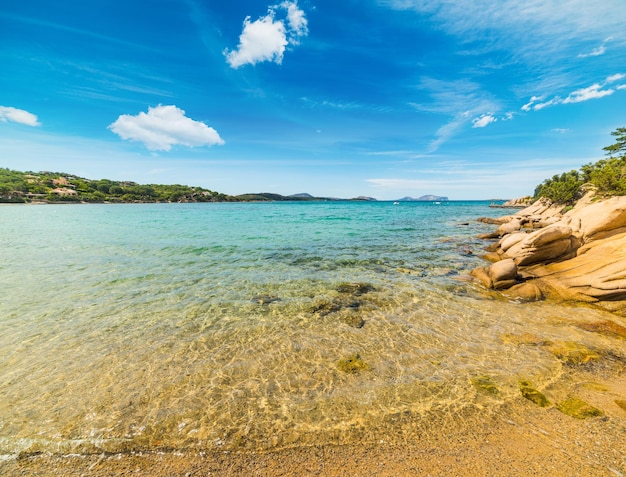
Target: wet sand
[{"x": 519, "y": 438}]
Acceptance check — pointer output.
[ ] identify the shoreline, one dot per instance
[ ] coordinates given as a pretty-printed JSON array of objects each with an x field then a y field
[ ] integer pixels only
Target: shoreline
[
  {"x": 516, "y": 436},
  {"x": 521, "y": 438}
]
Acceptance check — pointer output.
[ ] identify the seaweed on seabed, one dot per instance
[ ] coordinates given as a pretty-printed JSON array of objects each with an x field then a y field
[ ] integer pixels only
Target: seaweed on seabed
[
  {"x": 532, "y": 394},
  {"x": 352, "y": 364},
  {"x": 355, "y": 288},
  {"x": 486, "y": 384},
  {"x": 578, "y": 408}
]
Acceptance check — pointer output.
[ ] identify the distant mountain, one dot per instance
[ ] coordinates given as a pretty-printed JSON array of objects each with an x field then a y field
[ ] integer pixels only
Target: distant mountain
[
  {"x": 303, "y": 195},
  {"x": 267, "y": 196},
  {"x": 424, "y": 198}
]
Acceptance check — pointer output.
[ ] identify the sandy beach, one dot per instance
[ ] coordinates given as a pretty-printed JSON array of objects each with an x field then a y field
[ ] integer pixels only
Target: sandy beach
[{"x": 519, "y": 438}]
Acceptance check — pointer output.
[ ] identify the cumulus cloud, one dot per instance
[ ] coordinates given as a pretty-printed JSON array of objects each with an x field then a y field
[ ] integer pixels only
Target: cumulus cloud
[
  {"x": 484, "y": 120},
  {"x": 14, "y": 115},
  {"x": 267, "y": 38},
  {"x": 163, "y": 127}
]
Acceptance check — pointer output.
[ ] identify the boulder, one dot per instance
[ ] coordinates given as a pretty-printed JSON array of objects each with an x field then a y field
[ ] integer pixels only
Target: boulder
[
  {"x": 579, "y": 255},
  {"x": 597, "y": 274},
  {"x": 503, "y": 270},
  {"x": 545, "y": 245},
  {"x": 482, "y": 276},
  {"x": 500, "y": 275},
  {"x": 509, "y": 240},
  {"x": 524, "y": 292},
  {"x": 601, "y": 217},
  {"x": 510, "y": 227}
]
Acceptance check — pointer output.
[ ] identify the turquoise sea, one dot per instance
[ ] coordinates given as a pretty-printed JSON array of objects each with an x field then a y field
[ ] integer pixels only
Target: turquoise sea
[{"x": 229, "y": 325}]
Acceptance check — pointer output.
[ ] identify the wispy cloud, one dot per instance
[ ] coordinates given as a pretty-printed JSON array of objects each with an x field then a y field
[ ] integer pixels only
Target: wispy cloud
[
  {"x": 555, "y": 24},
  {"x": 595, "y": 91},
  {"x": 163, "y": 127},
  {"x": 463, "y": 101},
  {"x": 599, "y": 51},
  {"x": 14, "y": 115},
  {"x": 267, "y": 38}
]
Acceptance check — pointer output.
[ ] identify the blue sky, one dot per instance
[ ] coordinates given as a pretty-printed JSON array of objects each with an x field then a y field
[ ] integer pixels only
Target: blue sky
[{"x": 472, "y": 99}]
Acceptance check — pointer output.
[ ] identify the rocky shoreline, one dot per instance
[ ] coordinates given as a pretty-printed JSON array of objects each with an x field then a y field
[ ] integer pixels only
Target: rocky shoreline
[{"x": 549, "y": 250}]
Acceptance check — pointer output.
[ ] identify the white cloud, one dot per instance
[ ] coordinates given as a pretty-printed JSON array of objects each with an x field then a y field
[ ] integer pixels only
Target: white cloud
[
  {"x": 594, "y": 91},
  {"x": 616, "y": 77},
  {"x": 560, "y": 130},
  {"x": 622, "y": 86},
  {"x": 20, "y": 116},
  {"x": 528, "y": 106},
  {"x": 599, "y": 51},
  {"x": 267, "y": 38},
  {"x": 298, "y": 23},
  {"x": 584, "y": 94},
  {"x": 163, "y": 127},
  {"x": 484, "y": 120},
  {"x": 545, "y": 104}
]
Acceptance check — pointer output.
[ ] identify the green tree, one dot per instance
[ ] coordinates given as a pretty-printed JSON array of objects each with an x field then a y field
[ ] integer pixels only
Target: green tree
[{"x": 619, "y": 146}]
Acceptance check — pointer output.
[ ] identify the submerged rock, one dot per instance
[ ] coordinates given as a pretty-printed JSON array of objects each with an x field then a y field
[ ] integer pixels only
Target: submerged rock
[
  {"x": 332, "y": 306},
  {"x": 572, "y": 353},
  {"x": 352, "y": 364},
  {"x": 525, "y": 339},
  {"x": 355, "y": 289},
  {"x": 265, "y": 299},
  {"x": 356, "y": 321},
  {"x": 606, "y": 327},
  {"x": 578, "y": 408},
  {"x": 486, "y": 384}
]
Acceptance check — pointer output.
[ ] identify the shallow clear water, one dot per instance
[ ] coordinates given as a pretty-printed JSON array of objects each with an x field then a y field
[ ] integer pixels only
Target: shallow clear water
[{"x": 204, "y": 326}]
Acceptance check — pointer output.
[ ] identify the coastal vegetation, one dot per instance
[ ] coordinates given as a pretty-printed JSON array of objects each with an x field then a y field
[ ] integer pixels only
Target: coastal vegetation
[
  {"x": 57, "y": 187},
  {"x": 20, "y": 187},
  {"x": 607, "y": 176}
]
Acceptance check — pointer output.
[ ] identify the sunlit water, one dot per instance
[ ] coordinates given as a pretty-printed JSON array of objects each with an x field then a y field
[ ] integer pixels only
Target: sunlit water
[{"x": 221, "y": 326}]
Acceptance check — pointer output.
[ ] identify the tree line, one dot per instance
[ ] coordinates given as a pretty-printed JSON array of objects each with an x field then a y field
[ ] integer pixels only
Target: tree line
[
  {"x": 607, "y": 176},
  {"x": 16, "y": 186}
]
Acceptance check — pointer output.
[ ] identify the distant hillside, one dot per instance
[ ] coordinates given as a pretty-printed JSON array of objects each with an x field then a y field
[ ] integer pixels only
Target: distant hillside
[
  {"x": 23, "y": 187},
  {"x": 424, "y": 198},
  {"x": 302, "y": 197},
  {"x": 55, "y": 187}
]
